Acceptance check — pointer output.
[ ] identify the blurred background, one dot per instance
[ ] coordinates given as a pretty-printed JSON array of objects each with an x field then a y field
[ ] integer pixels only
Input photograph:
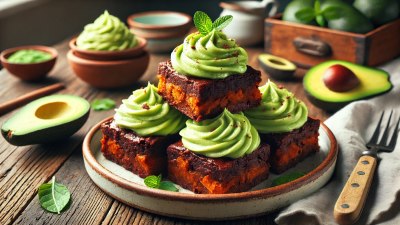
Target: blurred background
[{"x": 48, "y": 22}]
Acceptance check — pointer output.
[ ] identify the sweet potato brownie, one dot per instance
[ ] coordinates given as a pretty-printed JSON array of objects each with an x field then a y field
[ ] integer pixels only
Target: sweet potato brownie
[
  {"x": 201, "y": 174},
  {"x": 200, "y": 98},
  {"x": 143, "y": 156},
  {"x": 289, "y": 148}
]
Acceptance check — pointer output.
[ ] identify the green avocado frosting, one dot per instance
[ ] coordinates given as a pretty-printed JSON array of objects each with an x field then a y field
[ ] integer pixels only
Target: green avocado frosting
[
  {"x": 212, "y": 56},
  {"x": 228, "y": 135},
  {"x": 278, "y": 112},
  {"x": 146, "y": 113},
  {"x": 106, "y": 33},
  {"x": 27, "y": 56}
]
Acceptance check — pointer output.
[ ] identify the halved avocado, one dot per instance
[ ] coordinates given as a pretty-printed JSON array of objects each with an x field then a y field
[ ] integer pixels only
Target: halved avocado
[
  {"x": 373, "y": 82},
  {"x": 278, "y": 68},
  {"x": 46, "y": 119}
]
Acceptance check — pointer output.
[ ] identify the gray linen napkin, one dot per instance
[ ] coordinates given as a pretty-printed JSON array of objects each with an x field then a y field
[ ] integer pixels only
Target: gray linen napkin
[{"x": 353, "y": 126}]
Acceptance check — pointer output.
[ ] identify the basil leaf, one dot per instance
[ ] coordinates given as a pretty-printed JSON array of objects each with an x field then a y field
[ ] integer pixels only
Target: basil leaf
[
  {"x": 332, "y": 13},
  {"x": 320, "y": 20},
  {"x": 53, "y": 196},
  {"x": 152, "y": 181},
  {"x": 103, "y": 104},
  {"x": 305, "y": 15},
  {"x": 168, "y": 186},
  {"x": 202, "y": 22},
  {"x": 222, "y": 22},
  {"x": 286, "y": 178}
]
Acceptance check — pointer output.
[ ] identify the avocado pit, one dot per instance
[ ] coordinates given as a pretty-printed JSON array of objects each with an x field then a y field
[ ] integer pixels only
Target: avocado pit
[{"x": 339, "y": 78}]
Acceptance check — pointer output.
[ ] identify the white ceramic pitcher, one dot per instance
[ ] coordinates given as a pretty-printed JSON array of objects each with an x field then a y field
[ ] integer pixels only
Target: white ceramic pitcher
[{"x": 247, "y": 27}]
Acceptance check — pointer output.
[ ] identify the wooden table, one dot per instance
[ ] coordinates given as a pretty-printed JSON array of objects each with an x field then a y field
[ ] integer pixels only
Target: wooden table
[{"x": 23, "y": 169}]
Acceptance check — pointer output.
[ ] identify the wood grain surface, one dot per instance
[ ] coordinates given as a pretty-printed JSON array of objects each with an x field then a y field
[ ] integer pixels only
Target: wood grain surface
[{"x": 23, "y": 169}]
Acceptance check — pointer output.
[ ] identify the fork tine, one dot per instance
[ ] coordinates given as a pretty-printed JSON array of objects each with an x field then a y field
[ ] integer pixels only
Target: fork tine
[
  {"x": 386, "y": 132},
  {"x": 375, "y": 136},
  {"x": 393, "y": 140}
]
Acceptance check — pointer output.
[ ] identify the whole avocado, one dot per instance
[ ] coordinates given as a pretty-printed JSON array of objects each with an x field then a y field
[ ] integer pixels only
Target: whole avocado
[
  {"x": 350, "y": 19},
  {"x": 379, "y": 11},
  {"x": 289, "y": 14}
]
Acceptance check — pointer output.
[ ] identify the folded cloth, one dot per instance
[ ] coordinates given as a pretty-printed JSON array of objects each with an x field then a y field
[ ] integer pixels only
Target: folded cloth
[{"x": 353, "y": 127}]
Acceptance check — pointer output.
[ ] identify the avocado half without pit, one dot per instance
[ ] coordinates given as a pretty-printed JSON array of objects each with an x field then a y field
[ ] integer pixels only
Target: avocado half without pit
[
  {"x": 47, "y": 119},
  {"x": 333, "y": 84},
  {"x": 276, "y": 67}
]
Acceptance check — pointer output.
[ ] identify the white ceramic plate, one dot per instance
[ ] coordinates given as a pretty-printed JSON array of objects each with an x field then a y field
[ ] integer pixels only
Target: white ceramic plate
[{"x": 130, "y": 189}]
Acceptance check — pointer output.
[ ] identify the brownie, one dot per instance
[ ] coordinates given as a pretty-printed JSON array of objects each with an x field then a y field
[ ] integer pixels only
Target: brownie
[
  {"x": 143, "y": 156},
  {"x": 201, "y": 98},
  {"x": 201, "y": 174},
  {"x": 290, "y": 148}
]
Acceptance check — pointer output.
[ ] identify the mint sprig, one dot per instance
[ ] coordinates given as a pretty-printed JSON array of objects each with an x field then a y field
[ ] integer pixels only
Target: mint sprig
[
  {"x": 103, "y": 104},
  {"x": 153, "y": 181},
  {"x": 205, "y": 25}
]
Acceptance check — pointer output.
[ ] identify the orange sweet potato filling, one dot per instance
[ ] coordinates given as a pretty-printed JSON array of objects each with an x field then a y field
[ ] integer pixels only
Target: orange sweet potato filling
[
  {"x": 143, "y": 165},
  {"x": 178, "y": 171},
  {"x": 178, "y": 97}
]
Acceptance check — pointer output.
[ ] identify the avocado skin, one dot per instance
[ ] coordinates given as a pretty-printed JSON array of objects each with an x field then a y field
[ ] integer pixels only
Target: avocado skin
[
  {"x": 351, "y": 21},
  {"x": 331, "y": 106},
  {"x": 46, "y": 135},
  {"x": 276, "y": 73},
  {"x": 293, "y": 7},
  {"x": 379, "y": 11}
]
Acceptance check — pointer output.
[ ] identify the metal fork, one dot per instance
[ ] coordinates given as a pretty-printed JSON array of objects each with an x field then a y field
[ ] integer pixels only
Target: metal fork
[{"x": 351, "y": 201}]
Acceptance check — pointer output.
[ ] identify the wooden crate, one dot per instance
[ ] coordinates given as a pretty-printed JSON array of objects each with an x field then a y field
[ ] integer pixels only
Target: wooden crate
[{"x": 308, "y": 45}]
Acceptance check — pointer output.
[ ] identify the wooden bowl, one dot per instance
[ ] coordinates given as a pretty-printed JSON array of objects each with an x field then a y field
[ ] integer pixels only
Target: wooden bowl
[
  {"x": 109, "y": 55},
  {"x": 129, "y": 188},
  {"x": 109, "y": 74},
  {"x": 29, "y": 71}
]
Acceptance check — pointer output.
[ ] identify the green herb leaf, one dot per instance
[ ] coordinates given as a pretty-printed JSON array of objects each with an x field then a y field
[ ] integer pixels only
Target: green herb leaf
[
  {"x": 286, "y": 178},
  {"x": 320, "y": 20},
  {"x": 222, "y": 22},
  {"x": 103, "y": 104},
  {"x": 317, "y": 7},
  {"x": 168, "y": 186},
  {"x": 332, "y": 13},
  {"x": 202, "y": 22},
  {"x": 152, "y": 181},
  {"x": 53, "y": 196},
  {"x": 305, "y": 15}
]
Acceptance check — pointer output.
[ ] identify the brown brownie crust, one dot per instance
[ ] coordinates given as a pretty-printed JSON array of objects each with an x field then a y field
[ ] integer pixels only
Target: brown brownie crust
[
  {"x": 290, "y": 148},
  {"x": 143, "y": 156},
  {"x": 201, "y": 174},
  {"x": 200, "y": 98}
]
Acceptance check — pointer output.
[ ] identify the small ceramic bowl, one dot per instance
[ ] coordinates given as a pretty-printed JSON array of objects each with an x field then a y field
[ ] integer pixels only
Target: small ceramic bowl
[
  {"x": 109, "y": 74},
  {"x": 163, "y": 30},
  {"x": 30, "y": 71},
  {"x": 109, "y": 55}
]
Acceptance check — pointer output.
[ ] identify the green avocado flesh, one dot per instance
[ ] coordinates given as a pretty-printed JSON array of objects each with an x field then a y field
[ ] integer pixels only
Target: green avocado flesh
[
  {"x": 372, "y": 82},
  {"x": 46, "y": 119}
]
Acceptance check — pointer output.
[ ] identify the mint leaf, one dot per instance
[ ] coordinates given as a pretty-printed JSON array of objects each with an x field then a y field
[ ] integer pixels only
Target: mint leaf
[
  {"x": 332, "y": 13},
  {"x": 320, "y": 20},
  {"x": 202, "y": 22},
  {"x": 53, "y": 196},
  {"x": 168, "y": 186},
  {"x": 152, "y": 181},
  {"x": 103, "y": 104},
  {"x": 222, "y": 22},
  {"x": 305, "y": 15},
  {"x": 286, "y": 178}
]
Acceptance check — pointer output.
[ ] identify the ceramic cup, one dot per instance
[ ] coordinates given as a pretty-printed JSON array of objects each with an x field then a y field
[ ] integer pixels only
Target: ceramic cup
[{"x": 247, "y": 27}]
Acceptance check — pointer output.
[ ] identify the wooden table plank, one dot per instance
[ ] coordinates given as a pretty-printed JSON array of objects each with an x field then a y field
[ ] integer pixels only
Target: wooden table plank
[{"x": 23, "y": 169}]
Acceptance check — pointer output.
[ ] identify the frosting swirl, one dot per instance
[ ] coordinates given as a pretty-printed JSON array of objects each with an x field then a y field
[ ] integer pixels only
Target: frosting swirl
[
  {"x": 278, "y": 112},
  {"x": 146, "y": 113},
  {"x": 213, "y": 56},
  {"x": 228, "y": 135},
  {"x": 106, "y": 33}
]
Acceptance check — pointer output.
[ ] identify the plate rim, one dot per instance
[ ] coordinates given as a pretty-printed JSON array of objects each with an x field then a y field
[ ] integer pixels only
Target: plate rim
[{"x": 209, "y": 198}]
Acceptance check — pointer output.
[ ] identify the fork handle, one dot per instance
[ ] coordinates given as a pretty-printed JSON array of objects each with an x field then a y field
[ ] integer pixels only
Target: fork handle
[{"x": 351, "y": 201}]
